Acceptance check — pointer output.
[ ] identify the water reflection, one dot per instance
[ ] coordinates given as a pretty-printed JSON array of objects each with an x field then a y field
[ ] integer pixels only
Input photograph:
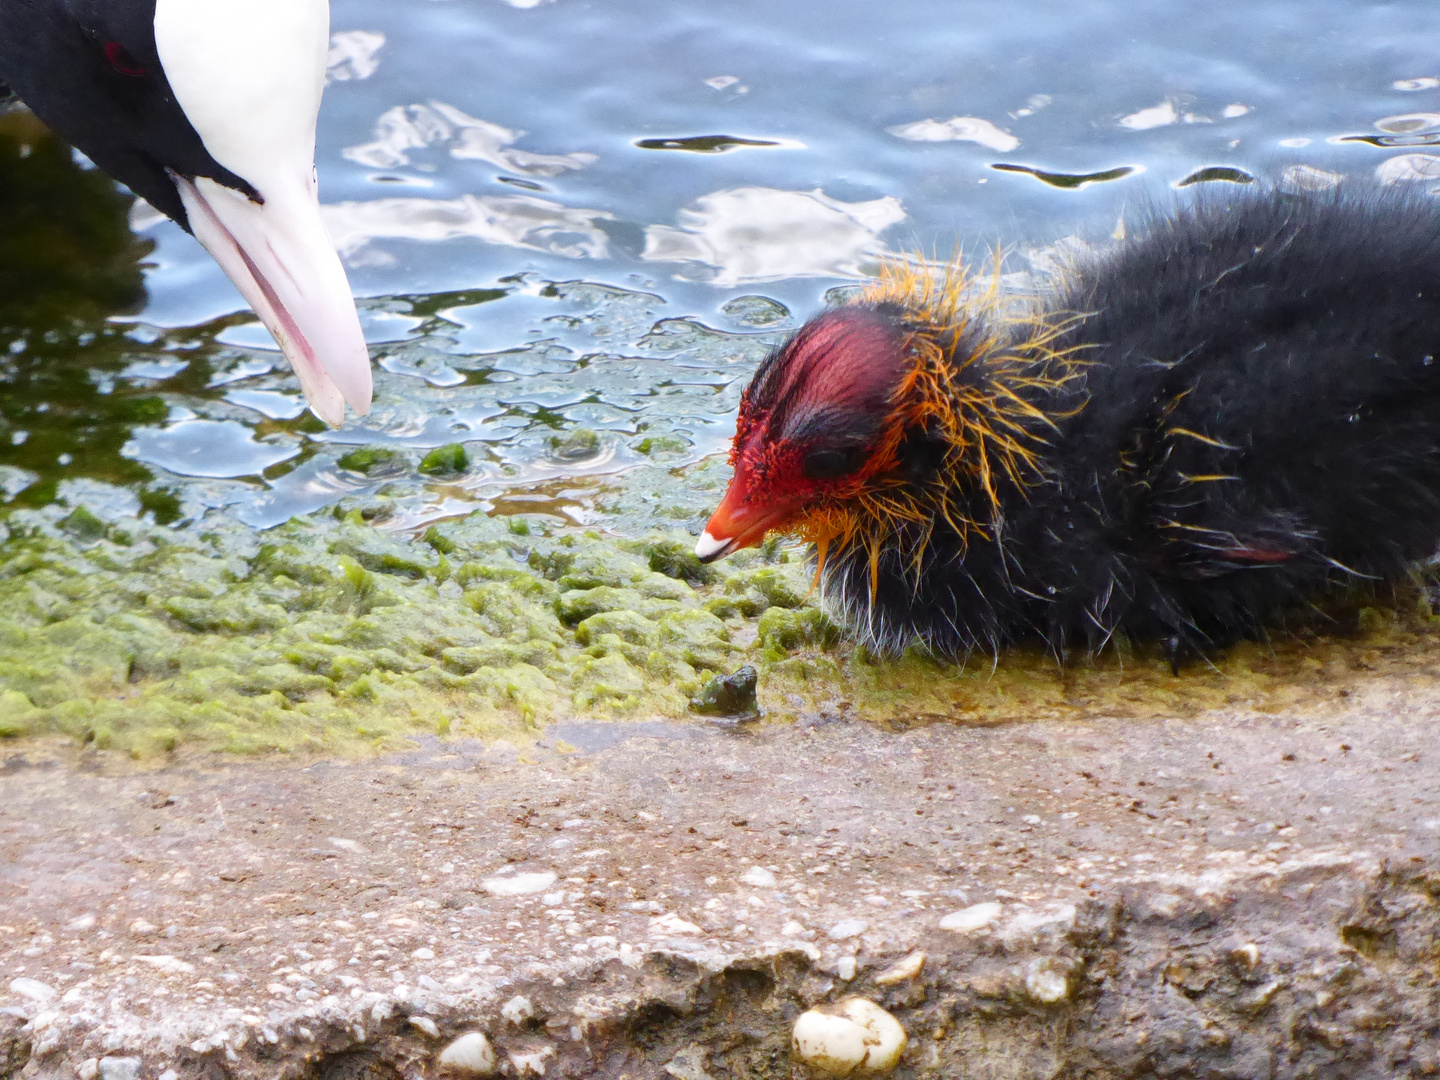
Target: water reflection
[
  {"x": 764, "y": 234},
  {"x": 520, "y": 221},
  {"x": 67, "y": 255},
  {"x": 414, "y": 127}
]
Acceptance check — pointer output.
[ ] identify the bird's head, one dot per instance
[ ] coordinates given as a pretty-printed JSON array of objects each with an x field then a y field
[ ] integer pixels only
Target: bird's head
[
  {"x": 912, "y": 404},
  {"x": 814, "y": 425},
  {"x": 207, "y": 109}
]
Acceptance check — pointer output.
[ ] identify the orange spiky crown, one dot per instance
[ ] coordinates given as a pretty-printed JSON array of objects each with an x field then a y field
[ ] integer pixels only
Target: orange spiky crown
[{"x": 981, "y": 369}]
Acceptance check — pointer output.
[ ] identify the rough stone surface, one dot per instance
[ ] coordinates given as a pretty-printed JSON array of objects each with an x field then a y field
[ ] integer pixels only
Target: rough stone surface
[{"x": 1234, "y": 895}]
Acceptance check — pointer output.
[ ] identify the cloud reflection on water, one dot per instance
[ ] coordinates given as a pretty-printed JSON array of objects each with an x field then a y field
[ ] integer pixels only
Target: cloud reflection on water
[
  {"x": 468, "y": 138},
  {"x": 754, "y": 234},
  {"x": 521, "y": 221}
]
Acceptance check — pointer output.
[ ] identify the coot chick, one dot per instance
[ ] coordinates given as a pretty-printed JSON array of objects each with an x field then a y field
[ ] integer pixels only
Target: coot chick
[{"x": 1232, "y": 412}]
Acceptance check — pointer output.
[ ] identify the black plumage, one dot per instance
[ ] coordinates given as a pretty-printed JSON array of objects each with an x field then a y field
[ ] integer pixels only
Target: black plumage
[
  {"x": 90, "y": 70},
  {"x": 1250, "y": 417}
]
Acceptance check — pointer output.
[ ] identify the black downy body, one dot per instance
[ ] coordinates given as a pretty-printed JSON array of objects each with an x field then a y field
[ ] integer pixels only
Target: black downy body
[{"x": 1257, "y": 420}]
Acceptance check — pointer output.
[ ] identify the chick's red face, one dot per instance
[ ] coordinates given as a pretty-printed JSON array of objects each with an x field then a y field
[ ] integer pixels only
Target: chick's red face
[{"x": 809, "y": 425}]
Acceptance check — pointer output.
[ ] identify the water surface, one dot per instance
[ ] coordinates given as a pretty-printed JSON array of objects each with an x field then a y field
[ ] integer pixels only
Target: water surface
[{"x": 578, "y": 226}]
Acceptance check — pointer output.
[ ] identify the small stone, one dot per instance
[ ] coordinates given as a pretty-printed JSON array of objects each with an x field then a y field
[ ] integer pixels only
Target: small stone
[
  {"x": 852, "y": 1036},
  {"x": 1247, "y": 954},
  {"x": 580, "y": 444},
  {"x": 423, "y": 954},
  {"x": 845, "y": 968},
  {"x": 519, "y": 884},
  {"x": 425, "y": 1024},
  {"x": 731, "y": 696},
  {"x": 81, "y": 922},
  {"x": 1047, "y": 980},
  {"x": 670, "y": 923},
  {"x": 846, "y": 929},
  {"x": 140, "y": 928},
  {"x": 759, "y": 877},
  {"x": 344, "y": 844},
  {"x": 792, "y": 929},
  {"x": 88, "y": 1069},
  {"x": 120, "y": 1068},
  {"x": 531, "y": 1062},
  {"x": 469, "y": 1055},
  {"x": 517, "y": 1010},
  {"x": 902, "y": 970},
  {"x": 33, "y": 989},
  {"x": 757, "y": 311},
  {"x": 968, "y": 920},
  {"x": 689, "y": 1064}
]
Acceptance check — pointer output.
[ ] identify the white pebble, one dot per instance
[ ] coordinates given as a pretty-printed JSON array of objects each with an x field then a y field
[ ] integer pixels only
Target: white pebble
[
  {"x": 517, "y": 1010},
  {"x": 120, "y": 1068},
  {"x": 81, "y": 922},
  {"x": 792, "y": 929},
  {"x": 531, "y": 1062},
  {"x": 670, "y": 923},
  {"x": 423, "y": 954},
  {"x": 519, "y": 884},
  {"x": 140, "y": 927},
  {"x": 88, "y": 1069},
  {"x": 901, "y": 970},
  {"x": 1248, "y": 954},
  {"x": 469, "y": 1055},
  {"x": 33, "y": 989},
  {"x": 845, "y": 968},
  {"x": 425, "y": 1024},
  {"x": 968, "y": 920},
  {"x": 847, "y": 928},
  {"x": 759, "y": 877},
  {"x": 852, "y": 1036},
  {"x": 1047, "y": 981}
]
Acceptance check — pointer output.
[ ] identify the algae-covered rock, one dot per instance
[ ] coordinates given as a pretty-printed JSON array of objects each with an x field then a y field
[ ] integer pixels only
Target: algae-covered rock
[
  {"x": 609, "y": 680},
  {"x": 578, "y": 445},
  {"x": 84, "y": 525},
  {"x": 18, "y": 714},
  {"x": 673, "y": 556},
  {"x": 325, "y": 634},
  {"x": 448, "y": 460},
  {"x": 576, "y": 605},
  {"x": 752, "y": 591},
  {"x": 695, "y": 637},
  {"x": 373, "y": 460},
  {"x": 782, "y": 630},
  {"x": 629, "y": 626},
  {"x": 730, "y": 695}
]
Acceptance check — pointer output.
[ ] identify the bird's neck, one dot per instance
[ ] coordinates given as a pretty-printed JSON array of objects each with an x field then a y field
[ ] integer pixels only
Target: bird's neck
[{"x": 989, "y": 382}]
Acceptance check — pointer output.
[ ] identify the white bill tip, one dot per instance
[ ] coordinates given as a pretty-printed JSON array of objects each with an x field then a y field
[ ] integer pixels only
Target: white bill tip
[{"x": 708, "y": 548}]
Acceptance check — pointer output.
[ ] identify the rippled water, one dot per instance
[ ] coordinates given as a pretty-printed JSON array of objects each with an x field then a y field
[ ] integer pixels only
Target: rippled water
[{"x": 579, "y": 226}]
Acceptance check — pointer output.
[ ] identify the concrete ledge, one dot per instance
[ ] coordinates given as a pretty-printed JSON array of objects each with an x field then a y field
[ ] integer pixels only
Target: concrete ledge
[{"x": 1239, "y": 895}]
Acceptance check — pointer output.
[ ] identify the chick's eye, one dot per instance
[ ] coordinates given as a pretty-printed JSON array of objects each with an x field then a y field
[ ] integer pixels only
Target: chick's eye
[
  {"x": 120, "y": 59},
  {"x": 828, "y": 463}
]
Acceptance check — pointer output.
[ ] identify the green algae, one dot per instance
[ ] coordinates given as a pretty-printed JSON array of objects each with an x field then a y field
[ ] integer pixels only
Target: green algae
[
  {"x": 447, "y": 460},
  {"x": 339, "y": 636}
]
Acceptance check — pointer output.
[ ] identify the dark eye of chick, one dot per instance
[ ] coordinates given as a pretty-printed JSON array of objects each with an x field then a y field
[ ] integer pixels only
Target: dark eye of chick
[{"x": 828, "y": 462}]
